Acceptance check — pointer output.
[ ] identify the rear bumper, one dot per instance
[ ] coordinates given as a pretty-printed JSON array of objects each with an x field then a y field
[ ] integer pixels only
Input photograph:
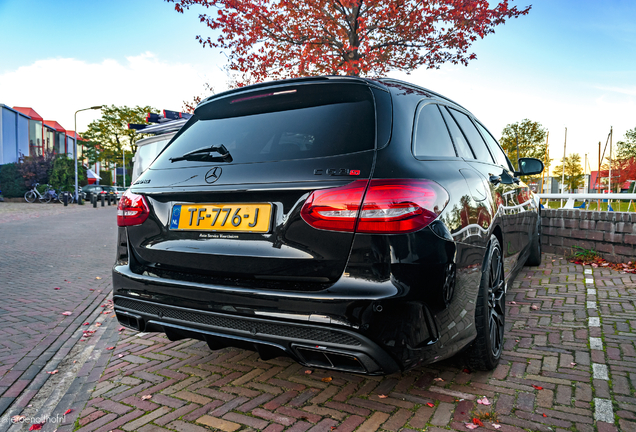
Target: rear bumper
[
  {"x": 310, "y": 344},
  {"x": 377, "y": 318}
]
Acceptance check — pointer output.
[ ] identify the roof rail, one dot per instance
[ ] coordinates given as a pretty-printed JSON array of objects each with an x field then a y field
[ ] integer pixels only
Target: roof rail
[{"x": 408, "y": 84}]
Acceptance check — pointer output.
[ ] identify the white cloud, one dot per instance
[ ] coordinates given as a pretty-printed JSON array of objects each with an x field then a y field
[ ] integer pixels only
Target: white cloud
[{"x": 56, "y": 88}]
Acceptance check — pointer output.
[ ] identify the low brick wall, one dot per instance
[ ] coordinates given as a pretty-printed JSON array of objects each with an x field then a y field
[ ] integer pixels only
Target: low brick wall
[{"x": 612, "y": 234}]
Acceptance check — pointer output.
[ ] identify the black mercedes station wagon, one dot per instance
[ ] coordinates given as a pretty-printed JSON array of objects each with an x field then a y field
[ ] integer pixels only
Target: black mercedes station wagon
[{"x": 352, "y": 224}]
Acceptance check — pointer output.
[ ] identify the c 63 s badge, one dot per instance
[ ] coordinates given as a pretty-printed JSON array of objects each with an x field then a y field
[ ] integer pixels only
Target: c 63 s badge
[{"x": 337, "y": 172}]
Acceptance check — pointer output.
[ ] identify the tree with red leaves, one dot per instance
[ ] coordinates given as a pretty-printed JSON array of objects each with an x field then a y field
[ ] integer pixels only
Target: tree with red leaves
[
  {"x": 623, "y": 170},
  {"x": 276, "y": 39}
]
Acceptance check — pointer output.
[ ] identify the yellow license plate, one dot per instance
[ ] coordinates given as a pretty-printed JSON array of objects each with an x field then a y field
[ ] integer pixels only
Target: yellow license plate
[{"x": 221, "y": 217}]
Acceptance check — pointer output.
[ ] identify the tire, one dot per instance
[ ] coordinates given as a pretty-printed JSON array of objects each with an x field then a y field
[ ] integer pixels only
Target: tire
[
  {"x": 534, "y": 259},
  {"x": 46, "y": 197},
  {"x": 490, "y": 312},
  {"x": 30, "y": 196}
]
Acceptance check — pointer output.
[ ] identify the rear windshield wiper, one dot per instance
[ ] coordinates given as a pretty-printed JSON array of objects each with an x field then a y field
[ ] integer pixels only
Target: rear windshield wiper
[{"x": 206, "y": 154}]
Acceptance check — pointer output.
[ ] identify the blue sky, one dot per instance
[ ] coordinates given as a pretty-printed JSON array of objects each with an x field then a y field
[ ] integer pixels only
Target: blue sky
[{"x": 569, "y": 63}]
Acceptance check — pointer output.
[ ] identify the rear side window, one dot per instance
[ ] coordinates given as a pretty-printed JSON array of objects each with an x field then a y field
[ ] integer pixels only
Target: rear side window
[
  {"x": 497, "y": 152},
  {"x": 430, "y": 135},
  {"x": 286, "y": 123},
  {"x": 458, "y": 137},
  {"x": 474, "y": 138}
]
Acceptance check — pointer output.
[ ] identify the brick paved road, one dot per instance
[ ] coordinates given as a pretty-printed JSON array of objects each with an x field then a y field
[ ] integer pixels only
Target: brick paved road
[
  {"x": 569, "y": 365},
  {"x": 43, "y": 247}
]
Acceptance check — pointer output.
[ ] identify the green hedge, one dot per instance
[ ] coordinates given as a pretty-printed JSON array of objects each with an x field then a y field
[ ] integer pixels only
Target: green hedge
[{"x": 11, "y": 182}]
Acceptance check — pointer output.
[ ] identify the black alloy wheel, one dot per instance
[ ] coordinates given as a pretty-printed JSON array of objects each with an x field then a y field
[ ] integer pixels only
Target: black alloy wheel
[{"x": 490, "y": 312}]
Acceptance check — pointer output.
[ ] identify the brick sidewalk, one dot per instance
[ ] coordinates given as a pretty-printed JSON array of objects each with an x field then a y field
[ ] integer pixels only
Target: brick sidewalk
[
  {"x": 44, "y": 247},
  {"x": 569, "y": 365}
]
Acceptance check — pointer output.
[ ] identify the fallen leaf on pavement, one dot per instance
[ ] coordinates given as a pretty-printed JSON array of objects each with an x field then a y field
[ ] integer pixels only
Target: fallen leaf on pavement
[
  {"x": 572, "y": 364},
  {"x": 53, "y": 372},
  {"x": 327, "y": 379},
  {"x": 121, "y": 329},
  {"x": 466, "y": 370},
  {"x": 431, "y": 404},
  {"x": 36, "y": 426},
  {"x": 110, "y": 348},
  {"x": 68, "y": 411},
  {"x": 86, "y": 323},
  {"x": 98, "y": 324},
  {"x": 512, "y": 302},
  {"x": 470, "y": 426},
  {"x": 483, "y": 401},
  {"x": 382, "y": 396},
  {"x": 56, "y": 288},
  {"x": 67, "y": 313},
  {"x": 496, "y": 426},
  {"x": 146, "y": 397},
  {"x": 438, "y": 379},
  {"x": 544, "y": 415},
  {"x": 537, "y": 387},
  {"x": 307, "y": 371},
  {"x": 534, "y": 307},
  {"x": 98, "y": 278},
  {"x": 120, "y": 355},
  {"x": 477, "y": 422}
]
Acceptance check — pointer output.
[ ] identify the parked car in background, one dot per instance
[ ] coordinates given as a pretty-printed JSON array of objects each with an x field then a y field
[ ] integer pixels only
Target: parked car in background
[
  {"x": 352, "y": 224},
  {"x": 89, "y": 190},
  {"x": 119, "y": 190}
]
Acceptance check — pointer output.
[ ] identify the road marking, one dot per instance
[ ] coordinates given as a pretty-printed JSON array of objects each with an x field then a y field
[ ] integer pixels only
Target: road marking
[
  {"x": 600, "y": 371},
  {"x": 596, "y": 343},
  {"x": 603, "y": 410}
]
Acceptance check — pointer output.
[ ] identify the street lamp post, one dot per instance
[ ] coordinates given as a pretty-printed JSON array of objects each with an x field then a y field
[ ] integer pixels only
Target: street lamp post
[{"x": 75, "y": 146}]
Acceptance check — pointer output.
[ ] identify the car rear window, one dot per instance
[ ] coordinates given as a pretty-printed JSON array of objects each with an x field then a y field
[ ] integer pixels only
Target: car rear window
[{"x": 286, "y": 123}]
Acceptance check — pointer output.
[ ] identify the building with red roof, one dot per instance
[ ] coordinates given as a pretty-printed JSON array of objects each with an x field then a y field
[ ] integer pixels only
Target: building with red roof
[
  {"x": 60, "y": 144},
  {"x": 36, "y": 130}
]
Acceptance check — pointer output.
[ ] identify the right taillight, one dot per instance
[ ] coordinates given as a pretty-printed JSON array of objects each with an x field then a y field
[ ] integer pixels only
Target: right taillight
[
  {"x": 390, "y": 206},
  {"x": 132, "y": 209}
]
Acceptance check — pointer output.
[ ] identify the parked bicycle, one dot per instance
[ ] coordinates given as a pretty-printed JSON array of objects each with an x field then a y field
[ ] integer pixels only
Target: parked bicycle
[{"x": 33, "y": 194}]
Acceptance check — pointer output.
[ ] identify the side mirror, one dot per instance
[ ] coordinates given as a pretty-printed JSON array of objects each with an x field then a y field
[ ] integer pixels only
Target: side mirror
[{"x": 529, "y": 166}]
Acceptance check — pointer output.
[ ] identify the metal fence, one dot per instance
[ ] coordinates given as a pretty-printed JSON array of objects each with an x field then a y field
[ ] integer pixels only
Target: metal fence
[{"x": 590, "y": 201}]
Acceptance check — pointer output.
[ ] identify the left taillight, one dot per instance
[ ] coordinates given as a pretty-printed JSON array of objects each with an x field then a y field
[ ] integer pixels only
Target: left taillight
[{"x": 132, "y": 209}]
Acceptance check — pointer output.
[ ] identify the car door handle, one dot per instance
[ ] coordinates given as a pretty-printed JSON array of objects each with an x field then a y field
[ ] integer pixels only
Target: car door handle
[{"x": 495, "y": 179}]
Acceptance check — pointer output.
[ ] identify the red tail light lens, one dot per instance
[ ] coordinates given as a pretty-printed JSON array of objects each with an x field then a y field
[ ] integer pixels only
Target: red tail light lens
[
  {"x": 132, "y": 209},
  {"x": 392, "y": 206}
]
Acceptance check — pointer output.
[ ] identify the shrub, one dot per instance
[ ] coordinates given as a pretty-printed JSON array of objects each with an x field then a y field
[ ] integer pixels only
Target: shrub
[
  {"x": 35, "y": 169},
  {"x": 63, "y": 174},
  {"x": 11, "y": 182}
]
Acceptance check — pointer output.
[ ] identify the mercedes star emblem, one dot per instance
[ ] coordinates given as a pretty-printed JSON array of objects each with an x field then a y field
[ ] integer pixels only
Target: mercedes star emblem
[{"x": 213, "y": 175}]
